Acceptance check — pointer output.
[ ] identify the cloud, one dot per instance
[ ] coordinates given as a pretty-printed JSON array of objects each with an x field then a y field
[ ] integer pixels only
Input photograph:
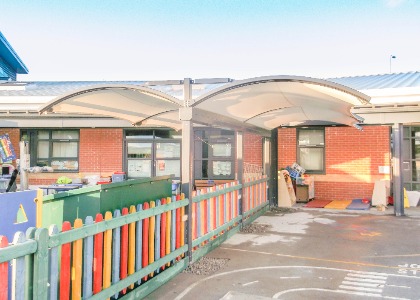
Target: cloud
[{"x": 394, "y": 3}]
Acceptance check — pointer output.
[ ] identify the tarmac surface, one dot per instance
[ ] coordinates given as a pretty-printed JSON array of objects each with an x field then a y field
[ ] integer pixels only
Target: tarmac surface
[{"x": 312, "y": 254}]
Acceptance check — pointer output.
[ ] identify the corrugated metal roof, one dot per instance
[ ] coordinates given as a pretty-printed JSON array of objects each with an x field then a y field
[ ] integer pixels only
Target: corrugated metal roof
[
  {"x": 55, "y": 88},
  {"x": 384, "y": 81}
]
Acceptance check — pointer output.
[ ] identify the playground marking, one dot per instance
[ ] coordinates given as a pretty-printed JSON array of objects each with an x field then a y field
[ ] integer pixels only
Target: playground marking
[{"x": 249, "y": 283}]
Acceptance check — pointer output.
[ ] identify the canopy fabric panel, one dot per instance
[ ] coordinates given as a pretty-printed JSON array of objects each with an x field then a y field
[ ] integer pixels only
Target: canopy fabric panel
[
  {"x": 270, "y": 102},
  {"x": 257, "y": 104},
  {"x": 133, "y": 103}
]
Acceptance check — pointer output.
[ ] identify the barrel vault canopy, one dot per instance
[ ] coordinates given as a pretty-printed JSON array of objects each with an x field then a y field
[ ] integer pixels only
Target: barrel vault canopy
[{"x": 264, "y": 102}]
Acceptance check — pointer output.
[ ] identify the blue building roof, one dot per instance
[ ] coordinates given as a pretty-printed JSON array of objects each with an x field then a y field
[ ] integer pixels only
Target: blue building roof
[
  {"x": 11, "y": 57},
  {"x": 384, "y": 81}
]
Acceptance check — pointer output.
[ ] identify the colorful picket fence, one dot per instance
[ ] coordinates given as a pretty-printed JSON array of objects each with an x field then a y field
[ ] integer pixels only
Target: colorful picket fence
[
  {"x": 125, "y": 251},
  {"x": 100, "y": 258}
]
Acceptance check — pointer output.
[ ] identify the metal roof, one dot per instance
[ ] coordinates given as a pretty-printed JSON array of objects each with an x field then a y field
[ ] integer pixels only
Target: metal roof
[
  {"x": 384, "y": 81},
  {"x": 52, "y": 88},
  {"x": 11, "y": 57}
]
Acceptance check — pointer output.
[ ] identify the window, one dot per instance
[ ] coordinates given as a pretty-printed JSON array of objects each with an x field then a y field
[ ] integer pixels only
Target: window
[
  {"x": 311, "y": 149},
  {"x": 411, "y": 158},
  {"x": 152, "y": 153},
  {"x": 58, "y": 149},
  {"x": 214, "y": 155}
]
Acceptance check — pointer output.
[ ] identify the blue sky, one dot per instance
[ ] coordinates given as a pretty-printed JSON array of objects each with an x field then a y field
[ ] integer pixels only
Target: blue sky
[{"x": 157, "y": 40}]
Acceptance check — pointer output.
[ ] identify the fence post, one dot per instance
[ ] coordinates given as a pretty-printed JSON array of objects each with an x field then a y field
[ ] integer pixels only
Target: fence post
[{"x": 41, "y": 265}]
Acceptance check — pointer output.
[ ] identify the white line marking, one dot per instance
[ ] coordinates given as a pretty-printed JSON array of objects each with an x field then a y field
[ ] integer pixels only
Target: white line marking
[
  {"x": 277, "y": 296},
  {"x": 399, "y": 286},
  {"x": 367, "y": 276},
  {"x": 364, "y": 280},
  {"x": 291, "y": 277},
  {"x": 192, "y": 286},
  {"x": 363, "y": 284},
  {"x": 355, "y": 288},
  {"x": 245, "y": 284}
]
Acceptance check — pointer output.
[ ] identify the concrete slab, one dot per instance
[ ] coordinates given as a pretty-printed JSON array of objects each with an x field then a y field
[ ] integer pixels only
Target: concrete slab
[{"x": 313, "y": 254}]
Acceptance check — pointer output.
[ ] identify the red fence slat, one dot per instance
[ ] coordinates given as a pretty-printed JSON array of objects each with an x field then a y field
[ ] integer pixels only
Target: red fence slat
[
  {"x": 65, "y": 275},
  {"x": 4, "y": 271}
]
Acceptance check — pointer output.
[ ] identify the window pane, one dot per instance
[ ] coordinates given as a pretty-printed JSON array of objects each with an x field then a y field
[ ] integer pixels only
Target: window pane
[
  {"x": 311, "y": 159},
  {"x": 43, "y": 134},
  {"x": 406, "y": 150},
  {"x": 139, "y": 150},
  {"x": 416, "y": 170},
  {"x": 65, "y": 134},
  {"x": 43, "y": 149},
  {"x": 205, "y": 169},
  {"x": 415, "y": 144},
  {"x": 415, "y": 132},
  {"x": 168, "y": 150},
  {"x": 205, "y": 150},
  {"x": 311, "y": 137},
  {"x": 222, "y": 149},
  {"x": 65, "y": 149},
  {"x": 167, "y": 134},
  {"x": 139, "y": 168},
  {"x": 222, "y": 168},
  {"x": 168, "y": 167},
  {"x": 139, "y": 134}
]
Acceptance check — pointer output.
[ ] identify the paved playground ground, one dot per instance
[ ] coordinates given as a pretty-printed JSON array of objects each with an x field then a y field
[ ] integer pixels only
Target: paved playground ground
[{"x": 311, "y": 254}]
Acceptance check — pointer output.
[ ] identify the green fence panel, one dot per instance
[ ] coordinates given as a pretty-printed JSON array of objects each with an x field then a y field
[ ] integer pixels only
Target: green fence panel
[{"x": 88, "y": 201}]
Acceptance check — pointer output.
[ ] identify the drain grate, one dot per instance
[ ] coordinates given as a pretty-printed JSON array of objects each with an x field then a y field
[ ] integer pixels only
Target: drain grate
[{"x": 206, "y": 266}]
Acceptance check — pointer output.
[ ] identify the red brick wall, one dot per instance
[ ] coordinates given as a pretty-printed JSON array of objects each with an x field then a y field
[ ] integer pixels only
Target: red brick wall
[
  {"x": 286, "y": 147},
  {"x": 352, "y": 161},
  {"x": 253, "y": 148},
  {"x": 101, "y": 151}
]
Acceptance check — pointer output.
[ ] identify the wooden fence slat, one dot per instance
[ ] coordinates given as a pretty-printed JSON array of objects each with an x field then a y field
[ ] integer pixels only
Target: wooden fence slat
[
  {"x": 53, "y": 276},
  {"x": 198, "y": 219},
  {"x": 139, "y": 242},
  {"x": 124, "y": 250},
  {"x": 182, "y": 221},
  {"x": 145, "y": 258},
  {"x": 163, "y": 233},
  {"x": 18, "y": 270},
  {"x": 98, "y": 242},
  {"x": 194, "y": 216},
  {"x": 87, "y": 262},
  {"x": 116, "y": 252},
  {"x": 65, "y": 271},
  {"x": 157, "y": 235},
  {"x": 29, "y": 266},
  {"x": 40, "y": 289},
  {"x": 106, "y": 281},
  {"x": 4, "y": 271},
  {"x": 173, "y": 227},
  {"x": 132, "y": 245},
  {"x": 152, "y": 237},
  {"x": 76, "y": 282},
  {"x": 168, "y": 230}
]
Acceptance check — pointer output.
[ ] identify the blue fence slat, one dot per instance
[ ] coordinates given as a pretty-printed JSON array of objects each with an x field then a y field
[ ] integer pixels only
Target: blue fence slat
[
  {"x": 157, "y": 235},
  {"x": 53, "y": 259},
  {"x": 87, "y": 262},
  {"x": 18, "y": 270},
  {"x": 139, "y": 242},
  {"x": 116, "y": 251}
]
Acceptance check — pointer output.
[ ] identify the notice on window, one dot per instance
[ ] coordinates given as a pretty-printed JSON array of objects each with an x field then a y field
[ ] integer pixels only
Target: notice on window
[
  {"x": 222, "y": 168},
  {"x": 139, "y": 168},
  {"x": 7, "y": 152}
]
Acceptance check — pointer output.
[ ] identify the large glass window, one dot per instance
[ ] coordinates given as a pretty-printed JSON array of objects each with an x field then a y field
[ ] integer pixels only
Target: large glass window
[
  {"x": 311, "y": 149},
  {"x": 58, "y": 149},
  {"x": 152, "y": 153},
  {"x": 213, "y": 153},
  {"x": 411, "y": 157}
]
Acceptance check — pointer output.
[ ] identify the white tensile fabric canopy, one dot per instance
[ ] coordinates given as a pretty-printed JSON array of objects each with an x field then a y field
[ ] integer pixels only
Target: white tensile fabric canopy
[{"x": 262, "y": 103}]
